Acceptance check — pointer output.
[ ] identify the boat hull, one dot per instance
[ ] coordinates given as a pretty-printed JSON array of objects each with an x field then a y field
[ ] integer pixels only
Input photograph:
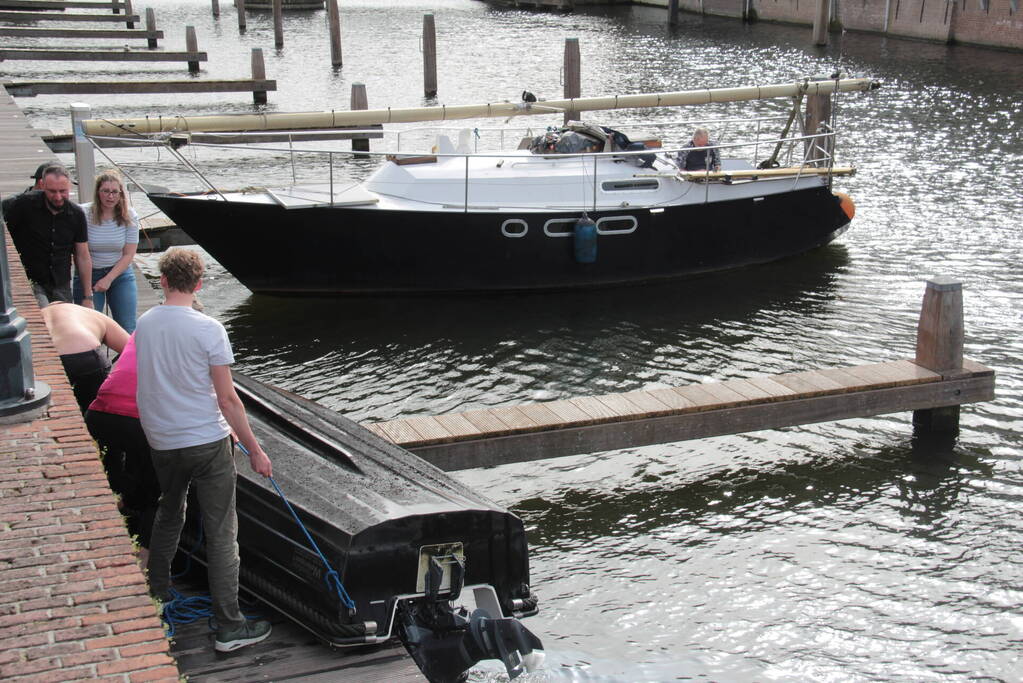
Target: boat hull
[{"x": 371, "y": 250}]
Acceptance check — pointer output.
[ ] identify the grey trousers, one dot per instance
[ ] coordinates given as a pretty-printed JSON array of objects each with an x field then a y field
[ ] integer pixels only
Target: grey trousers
[{"x": 211, "y": 468}]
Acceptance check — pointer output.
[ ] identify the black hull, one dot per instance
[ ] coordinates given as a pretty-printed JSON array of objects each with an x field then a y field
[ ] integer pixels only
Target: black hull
[{"x": 358, "y": 250}]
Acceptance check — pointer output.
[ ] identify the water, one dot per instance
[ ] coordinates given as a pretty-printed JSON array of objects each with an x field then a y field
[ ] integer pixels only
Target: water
[{"x": 833, "y": 552}]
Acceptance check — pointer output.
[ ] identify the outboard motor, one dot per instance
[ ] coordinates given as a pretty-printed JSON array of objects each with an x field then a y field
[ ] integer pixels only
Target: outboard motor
[{"x": 397, "y": 543}]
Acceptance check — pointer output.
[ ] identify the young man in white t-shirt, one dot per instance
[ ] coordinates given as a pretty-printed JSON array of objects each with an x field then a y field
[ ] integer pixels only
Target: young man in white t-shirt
[{"x": 188, "y": 408}]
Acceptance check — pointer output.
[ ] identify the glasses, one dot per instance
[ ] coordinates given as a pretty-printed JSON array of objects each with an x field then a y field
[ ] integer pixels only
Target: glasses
[{"x": 112, "y": 193}]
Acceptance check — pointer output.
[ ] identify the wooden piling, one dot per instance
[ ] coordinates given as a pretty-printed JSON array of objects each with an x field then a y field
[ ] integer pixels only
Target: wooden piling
[
  {"x": 240, "y": 4},
  {"x": 258, "y": 74},
  {"x": 429, "y": 56},
  {"x": 278, "y": 23},
  {"x": 129, "y": 20},
  {"x": 359, "y": 102},
  {"x": 334, "y": 20},
  {"x": 85, "y": 159},
  {"x": 572, "y": 75},
  {"x": 216, "y": 9},
  {"x": 151, "y": 25},
  {"x": 191, "y": 46},
  {"x": 939, "y": 348},
  {"x": 820, "y": 22},
  {"x": 672, "y": 12}
]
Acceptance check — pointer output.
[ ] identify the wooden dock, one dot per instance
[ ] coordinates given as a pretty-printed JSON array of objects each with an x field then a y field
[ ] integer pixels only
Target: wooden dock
[
  {"x": 126, "y": 55},
  {"x": 33, "y": 88},
  {"x": 80, "y": 33},
  {"x": 938, "y": 380},
  {"x": 34, "y": 17}
]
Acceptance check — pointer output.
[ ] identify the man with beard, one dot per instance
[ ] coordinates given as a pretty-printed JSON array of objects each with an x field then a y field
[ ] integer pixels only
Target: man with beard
[{"x": 46, "y": 228}]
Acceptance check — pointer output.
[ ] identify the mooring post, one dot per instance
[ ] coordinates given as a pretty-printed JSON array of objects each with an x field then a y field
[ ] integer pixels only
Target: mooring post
[
  {"x": 258, "y": 74},
  {"x": 240, "y": 4},
  {"x": 151, "y": 27},
  {"x": 334, "y": 20},
  {"x": 22, "y": 399},
  {"x": 191, "y": 47},
  {"x": 429, "y": 56},
  {"x": 278, "y": 6},
  {"x": 820, "y": 22},
  {"x": 572, "y": 75},
  {"x": 216, "y": 9},
  {"x": 128, "y": 11},
  {"x": 939, "y": 347},
  {"x": 359, "y": 102},
  {"x": 85, "y": 158},
  {"x": 672, "y": 12}
]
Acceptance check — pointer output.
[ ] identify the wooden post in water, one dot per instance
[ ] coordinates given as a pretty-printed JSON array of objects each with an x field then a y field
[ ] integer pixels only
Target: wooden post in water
[
  {"x": 240, "y": 4},
  {"x": 278, "y": 23},
  {"x": 334, "y": 21},
  {"x": 151, "y": 26},
  {"x": 85, "y": 157},
  {"x": 672, "y": 12},
  {"x": 939, "y": 347},
  {"x": 429, "y": 56},
  {"x": 191, "y": 45},
  {"x": 216, "y": 9},
  {"x": 129, "y": 12},
  {"x": 820, "y": 22},
  {"x": 258, "y": 74},
  {"x": 359, "y": 102},
  {"x": 572, "y": 75}
]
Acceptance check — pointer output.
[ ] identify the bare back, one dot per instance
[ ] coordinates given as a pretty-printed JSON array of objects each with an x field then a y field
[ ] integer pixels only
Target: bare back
[{"x": 75, "y": 329}]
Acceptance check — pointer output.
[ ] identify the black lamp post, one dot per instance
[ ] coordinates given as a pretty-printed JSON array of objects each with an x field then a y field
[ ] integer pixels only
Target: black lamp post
[{"x": 21, "y": 397}]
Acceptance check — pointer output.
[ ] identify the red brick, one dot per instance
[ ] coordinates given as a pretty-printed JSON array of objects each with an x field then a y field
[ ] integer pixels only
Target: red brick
[
  {"x": 32, "y": 640},
  {"x": 148, "y": 622},
  {"x": 123, "y": 639},
  {"x": 119, "y": 615},
  {"x": 85, "y": 673},
  {"x": 82, "y": 632},
  {"x": 145, "y": 648},
  {"x": 87, "y": 657},
  {"x": 26, "y": 668},
  {"x": 132, "y": 664},
  {"x": 164, "y": 673},
  {"x": 54, "y": 650},
  {"x": 127, "y": 579},
  {"x": 76, "y": 587},
  {"x": 106, "y": 594},
  {"x": 36, "y": 622}
]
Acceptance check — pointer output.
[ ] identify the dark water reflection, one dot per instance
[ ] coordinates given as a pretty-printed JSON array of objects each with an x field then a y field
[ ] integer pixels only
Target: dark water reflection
[{"x": 842, "y": 551}]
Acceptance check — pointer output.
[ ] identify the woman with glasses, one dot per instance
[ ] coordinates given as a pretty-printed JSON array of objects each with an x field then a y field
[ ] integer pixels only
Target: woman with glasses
[{"x": 113, "y": 239}]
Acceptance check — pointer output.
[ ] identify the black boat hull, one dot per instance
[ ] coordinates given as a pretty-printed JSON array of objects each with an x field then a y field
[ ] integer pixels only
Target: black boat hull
[{"x": 360, "y": 250}]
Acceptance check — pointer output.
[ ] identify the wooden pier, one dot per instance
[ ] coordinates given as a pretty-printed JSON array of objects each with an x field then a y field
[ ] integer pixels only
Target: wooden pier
[
  {"x": 937, "y": 381},
  {"x": 81, "y": 33}
]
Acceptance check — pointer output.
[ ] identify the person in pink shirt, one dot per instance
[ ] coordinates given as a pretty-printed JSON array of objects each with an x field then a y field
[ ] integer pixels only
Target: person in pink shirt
[{"x": 113, "y": 420}]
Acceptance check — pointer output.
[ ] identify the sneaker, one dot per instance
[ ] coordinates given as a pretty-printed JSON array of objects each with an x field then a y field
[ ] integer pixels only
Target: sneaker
[{"x": 247, "y": 634}]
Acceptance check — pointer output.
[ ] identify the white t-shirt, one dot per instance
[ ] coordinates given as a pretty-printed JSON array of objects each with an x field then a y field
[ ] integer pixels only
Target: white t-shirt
[{"x": 175, "y": 347}]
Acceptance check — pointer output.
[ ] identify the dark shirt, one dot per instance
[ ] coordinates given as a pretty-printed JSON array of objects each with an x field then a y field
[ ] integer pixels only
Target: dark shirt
[
  {"x": 45, "y": 240},
  {"x": 696, "y": 159}
]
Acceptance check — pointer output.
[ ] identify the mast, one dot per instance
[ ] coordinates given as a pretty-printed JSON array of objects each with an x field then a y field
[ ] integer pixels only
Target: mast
[{"x": 336, "y": 119}]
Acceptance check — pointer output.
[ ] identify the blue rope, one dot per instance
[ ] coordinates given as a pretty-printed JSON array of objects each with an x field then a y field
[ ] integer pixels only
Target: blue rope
[{"x": 332, "y": 578}]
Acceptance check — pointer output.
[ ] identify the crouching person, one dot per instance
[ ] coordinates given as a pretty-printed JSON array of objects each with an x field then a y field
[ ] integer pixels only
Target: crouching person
[{"x": 188, "y": 407}]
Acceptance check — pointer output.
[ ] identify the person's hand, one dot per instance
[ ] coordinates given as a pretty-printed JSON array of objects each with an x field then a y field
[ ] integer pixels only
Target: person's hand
[
  {"x": 260, "y": 463},
  {"x": 102, "y": 285},
  {"x": 87, "y": 303}
]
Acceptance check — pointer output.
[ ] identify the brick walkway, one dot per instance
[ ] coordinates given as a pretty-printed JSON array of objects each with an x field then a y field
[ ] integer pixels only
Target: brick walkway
[{"x": 73, "y": 601}]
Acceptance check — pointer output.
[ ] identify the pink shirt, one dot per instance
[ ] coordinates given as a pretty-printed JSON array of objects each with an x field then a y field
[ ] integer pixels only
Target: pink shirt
[{"x": 117, "y": 394}]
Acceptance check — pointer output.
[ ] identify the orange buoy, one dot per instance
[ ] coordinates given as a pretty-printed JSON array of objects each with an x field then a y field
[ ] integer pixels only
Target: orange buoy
[{"x": 846, "y": 202}]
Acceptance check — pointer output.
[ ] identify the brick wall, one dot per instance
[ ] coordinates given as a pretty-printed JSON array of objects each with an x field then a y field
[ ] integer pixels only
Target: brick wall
[
  {"x": 73, "y": 601},
  {"x": 992, "y": 23}
]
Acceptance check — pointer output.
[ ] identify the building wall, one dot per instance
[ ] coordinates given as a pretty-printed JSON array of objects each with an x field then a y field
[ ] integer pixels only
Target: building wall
[{"x": 989, "y": 23}]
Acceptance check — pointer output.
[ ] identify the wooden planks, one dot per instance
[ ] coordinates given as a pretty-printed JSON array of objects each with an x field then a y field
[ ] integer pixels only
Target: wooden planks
[
  {"x": 31, "y": 17},
  {"x": 33, "y": 88},
  {"x": 61, "y": 5},
  {"x": 101, "y": 55},
  {"x": 80, "y": 33},
  {"x": 595, "y": 423}
]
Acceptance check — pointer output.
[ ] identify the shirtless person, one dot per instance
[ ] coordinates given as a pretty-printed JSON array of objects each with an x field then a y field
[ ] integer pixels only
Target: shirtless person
[{"x": 79, "y": 333}]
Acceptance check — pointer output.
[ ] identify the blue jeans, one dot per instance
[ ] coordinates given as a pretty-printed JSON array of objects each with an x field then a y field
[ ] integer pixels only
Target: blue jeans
[{"x": 122, "y": 296}]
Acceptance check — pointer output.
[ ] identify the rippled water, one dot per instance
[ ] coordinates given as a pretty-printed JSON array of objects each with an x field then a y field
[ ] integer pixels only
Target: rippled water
[{"x": 833, "y": 552}]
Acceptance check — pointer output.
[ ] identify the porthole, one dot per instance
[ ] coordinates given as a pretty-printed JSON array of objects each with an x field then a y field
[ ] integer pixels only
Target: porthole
[
  {"x": 555, "y": 227},
  {"x": 514, "y": 227},
  {"x": 616, "y": 225}
]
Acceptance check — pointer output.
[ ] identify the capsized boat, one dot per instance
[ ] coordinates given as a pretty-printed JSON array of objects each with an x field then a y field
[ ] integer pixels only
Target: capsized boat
[
  {"x": 413, "y": 550},
  {"x": 579, "y": 206}
]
